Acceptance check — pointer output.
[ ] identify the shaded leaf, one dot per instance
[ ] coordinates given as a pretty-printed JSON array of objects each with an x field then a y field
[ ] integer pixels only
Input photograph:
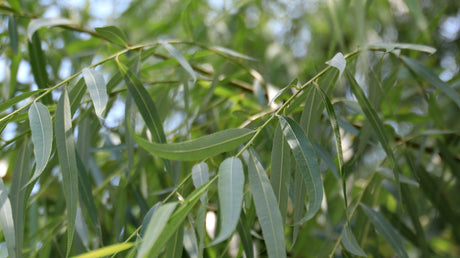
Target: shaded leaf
[
  {"x": 175, "y": 246},
  {"x": 230, "y": 188},
  {"x": 339, "y": 62},
  {"x": 13, "y": 32},
  {"x": 267, "y": 210},
  {"x": 42, "y": 136},
  {"x": 350, "y": 243},
  {"x": 304, "y": 155},
  {"x": 293, "y": 83},
  {"x": 66, "y": 152},
  {"x": 76, "y": 94},
  {"x": 200, "y": 148},
  {"x": 114, "y": 34},
  {"x": 36, "y": 24},
  {"x": 106, "y": 251},
  {"x": 155, "y": 227},
  {"x": 386, "y": 230},
  {"x": 424, "y": 72},
  {"x": 97, "y": 90},
  {"x": 245, "y": 235},
  {"x": 6, "y": 220},
  {"x": 180, "y": 58},
  {"x": 38, "y": 64}
]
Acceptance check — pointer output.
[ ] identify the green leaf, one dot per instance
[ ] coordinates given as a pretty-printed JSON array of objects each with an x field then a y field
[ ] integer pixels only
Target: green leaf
[
  {"x": 38, "y": 64},
  {"x": 339, "y": 62},
  {"x": 66, "y": 152},
  {"x": 350, "y": 243},
  {"x": 6, "y": 220},
  {"x": 200, "y": 176},
  {"x": 245, "y": 235},
  {"x": 230, "y": 188},
  {"x": 76, "y": 94},
  {"x": 178, "y": 217},
  {"x": 36, "y": 24},
  {"x": 175, "y": 246},
  {"x": 424, "y": 72},
  {"x": 180, "y": 58},
  {"x": 5, "y": 105},
  {"x": 114, "y": 34},
  {"x": 292, "y": 84},
  {"x": 13, "y": 32},
  {"x": 106, "y": 251},
  {"x": 97, "y": 90},
  {"x": 157, "y": 223},
  {"x": 266, "y": 208},
  {"x": 42, "y": 136},
  {"x": 280, "y": 173},
  {"x": 390, "y": 46},
  {"x": 18, "y": 194},
  {"x": 386, "y": 230},
  {"x": 230, "y": 52},
  {"x": 307, "y": 163},
  {"x": 197, "y": 149}
]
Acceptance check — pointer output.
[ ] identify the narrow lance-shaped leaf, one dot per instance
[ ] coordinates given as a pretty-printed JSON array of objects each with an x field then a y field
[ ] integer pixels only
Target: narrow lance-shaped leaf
[
  {"x": 114, "y": 34},
  {"x": 36, "y": 24},
  {"x": 13, "y": 32},
  {"x": 180, "y": 58},
  {"x": 200, "y": 148},
  {"x": 350, "y": 243},
  {"x": 175, "y": 246},
  {"x": 230, "y": 187},
  {"x": 307, "y": 164},
  {"x": 424, "y": 72},
  {"x": 231, "y": 52},
  {"x": 200, "y": 176},
  {"x": 38, "y": 64},
  {"x": 6, "y": 220},
  {"x": 18, "y": 193},
  {"x": 42, "y": 136},
  {"x": 281, "y": 170},
  {"x": 266, "y": 208},
  {"x": 97, "y": 90},
  {"x": 106, "y": 251},
  {"x": 154, "y": 228},
  {"x": 177, "y": 218},
  {"x": 66, "y": 152},
  {"x": 386, "y": 230},
  {"x": 9, "y": 103},
  {"x": 390, "y": 46}
]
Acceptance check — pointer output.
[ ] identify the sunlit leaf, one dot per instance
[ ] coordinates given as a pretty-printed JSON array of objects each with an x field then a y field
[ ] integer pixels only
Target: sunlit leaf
[
  {"x": 42, "y": 136},
  {"x": 339, "y": 62},
  {"x": 114, "y": 34},
  {"x": 230, "y": 52},
  {"x": 230, "y": 187},
  {"x": 180, "y": 58},
  {"x": 6, "y": 220},
  {"x": 350, "y": 243},
  {"x": 106, "y": 251},
  {"x": 155, "y": 227},
  {"x": 307, "y": 164},
  {"x": 267, "y": 209},
  {"x": 200, "y": 175},
  {"x": 386, "y": 230},
  {"x": 66, "y": 152},
  {"x": 200, "y": 148},
  {"x": 292, "y": 84},
  {"x": 36, "y": 24},
  {"x": 97, "y": 90}
]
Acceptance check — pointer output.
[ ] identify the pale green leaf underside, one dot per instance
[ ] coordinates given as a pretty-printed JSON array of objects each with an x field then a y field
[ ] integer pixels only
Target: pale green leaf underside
[
  {"x": 42, "y": 136},
  {"x": 200, "y": 176},
  {"x": 350, "y": 243},
  {"x": 339, "y": 62},
  {"x": 6, "y": 220},
  {"x": 266, "y": 208},
  {"x": 180, "y": 58},
  {"x": 230, "y": 188},
  {"x": 201, "y": 148},
  {"x": 36, "y": 24},
  {"x": 307, "y": 163},
  {"x": 97, "y": 90}
]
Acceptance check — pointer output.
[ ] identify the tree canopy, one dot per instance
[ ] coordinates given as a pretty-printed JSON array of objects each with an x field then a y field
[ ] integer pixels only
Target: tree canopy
[{"x": 216, "y": 128}]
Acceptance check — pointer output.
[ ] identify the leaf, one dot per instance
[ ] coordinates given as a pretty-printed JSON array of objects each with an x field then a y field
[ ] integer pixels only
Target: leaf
[
  {"x": 113, "y": 34},
  {"x": 390, "y": 46},
  {"x": 6, "y": 220},
  {"x": 180, "y": 58},
  {"x": 266, "y": 208},
  {"x": 200, "y": 148},
  {"x": 178, "y": 217},
  {"x": 76, "y": 94},
  {"x": 42, "y": 136},
  {"x": 386, "y": 230},
  {"x": 307, "y": 164},
  {"x": 18, "y": 194},
  {"x": 106, "y": 251},
  {"x": 245, "y": 235},
  {"x": 200, "y": 176},
  {"x": 175, "y": 246},
  {"x": 350, "y": 243},
  {"x": 230, "y": 188},
  {"x": 5, "y": 105},
  {"x": 339, "y": 62},
  {"x": 424, "y": 72},
  {"x": 230, "y": 52},
  {"x": 13, "y": 32},
  {"x": 280, "y": 173},
  {"x": 38, "y": 64},
  {"x": 155, "y": 227},
  {"x": 97, "y": 90},
  {"x": 36, "y": 24},
  {"x": 66, "y": 152},
  {"x": 293, "y": 83}
]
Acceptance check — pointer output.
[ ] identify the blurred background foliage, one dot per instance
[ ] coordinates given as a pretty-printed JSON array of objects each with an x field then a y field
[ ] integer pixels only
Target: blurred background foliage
[{"x": 287, "y": 39}]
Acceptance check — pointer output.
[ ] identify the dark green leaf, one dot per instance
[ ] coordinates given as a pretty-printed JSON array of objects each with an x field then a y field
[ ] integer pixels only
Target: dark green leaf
[
  {"x": 38, "y": 64},
  {"x": 6, "y": 220},
  {"x": 350, "y": 243},
  {"x": 13, "y": 32},
  {"x": 174, "y": 247},
  {"x": 114, "y": 34}
]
